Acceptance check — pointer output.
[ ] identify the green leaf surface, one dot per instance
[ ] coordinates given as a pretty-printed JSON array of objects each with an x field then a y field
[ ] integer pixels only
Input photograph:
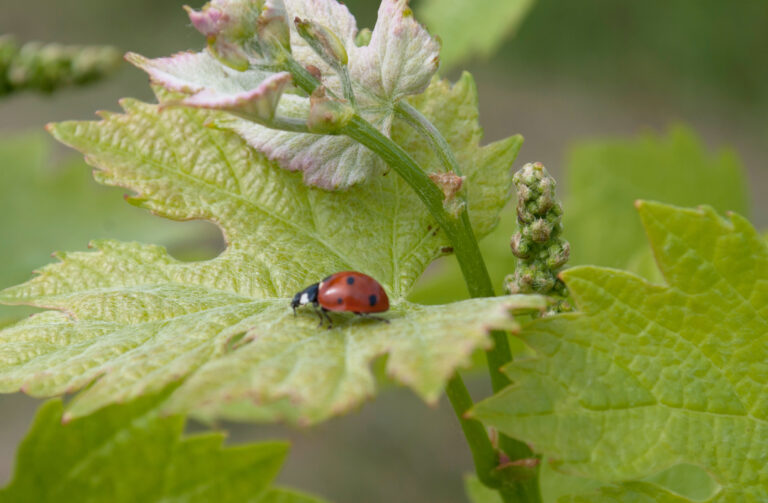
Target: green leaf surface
[
  {"x": 46, "y": 207},
  {"x": 131, "y": 319},
  {"x": 128, "y": 453},
  {"x": 478, "y": 493},
  {"x": 648, "y": 376},
  {"x": 631, "y": 492},
  {"x": 468, "y": 29},
  {"x": 604, "y": 178}
]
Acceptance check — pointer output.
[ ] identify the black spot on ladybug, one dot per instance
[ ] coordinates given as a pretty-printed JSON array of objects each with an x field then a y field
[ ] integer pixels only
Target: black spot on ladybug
[
  {"x": 350, "y": 280},
  {"x": 447, "y": 249},
  {"x": 339, "y": 300},
  {"x": 372, "y": 299}
]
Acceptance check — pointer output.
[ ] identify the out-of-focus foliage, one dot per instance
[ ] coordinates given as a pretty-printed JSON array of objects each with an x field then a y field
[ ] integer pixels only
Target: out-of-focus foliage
[
  {"x": 475, "y": 28},
  {"x": 47, "y": 207},
  {"x": 605, "y": 178},
  {"x": 130, "y": 453},
  {"x": 692, "y": 48},
  {"x": 45, "y": 68}
]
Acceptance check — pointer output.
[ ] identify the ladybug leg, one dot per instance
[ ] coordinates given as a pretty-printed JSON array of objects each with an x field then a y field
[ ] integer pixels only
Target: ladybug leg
[
  {"x": 319, "y": 315},
  {"x": 328, "y": 317}
]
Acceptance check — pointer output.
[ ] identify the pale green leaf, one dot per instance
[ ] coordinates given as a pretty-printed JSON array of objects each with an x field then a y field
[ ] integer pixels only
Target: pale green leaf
[
  {"x": 631, "y": 492},
  {"x": 478, "y": 493},
  {"x": 128, "y": 453},
  {"x": 651, "y": 376},
  {"x": 604, "y": 178},
  {"x": 476, "y": 28},
  {"x": 133, "y": 319},
  {"x": 46, "y": 206}
]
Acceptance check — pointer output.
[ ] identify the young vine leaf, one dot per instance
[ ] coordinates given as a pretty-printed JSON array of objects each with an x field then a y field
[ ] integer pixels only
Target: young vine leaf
[
  {"x": 132, "y": 319},
  {"x": 399, "y": 60},
  {"x": 648, "y": 376},
  {"x": 131, "y": 452}
]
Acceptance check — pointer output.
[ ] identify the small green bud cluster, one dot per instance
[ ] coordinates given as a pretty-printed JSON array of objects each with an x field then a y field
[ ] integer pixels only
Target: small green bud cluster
[
  {"x": 48, "y": 67},
  {"x": 323, "y": 41},
  {"x": 327, "y": 115},
  {"x": 538, "y": 245}
]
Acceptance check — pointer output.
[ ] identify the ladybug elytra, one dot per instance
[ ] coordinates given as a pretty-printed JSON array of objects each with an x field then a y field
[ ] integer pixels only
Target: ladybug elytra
[{"x": 348, "y": 291}]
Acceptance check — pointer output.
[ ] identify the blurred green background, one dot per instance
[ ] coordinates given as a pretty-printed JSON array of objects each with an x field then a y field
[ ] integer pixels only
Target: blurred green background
[{"x": 612, "y": 74}]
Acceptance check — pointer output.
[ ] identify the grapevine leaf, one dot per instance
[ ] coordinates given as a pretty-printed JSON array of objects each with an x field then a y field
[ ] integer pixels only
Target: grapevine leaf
[
  {"x": 477, "y": 492},
  {"x": 472, "y": 28},
  {"x": 604, "y": 178},
  {"x": 634, "y": 492},
  {"x": 131, "y": 319},
  {"x": 399, "y": 61},
  {"x": 52, "y": 206},
  {"x": 650, "y": 376},
  {"x": 129, "y": 452}
]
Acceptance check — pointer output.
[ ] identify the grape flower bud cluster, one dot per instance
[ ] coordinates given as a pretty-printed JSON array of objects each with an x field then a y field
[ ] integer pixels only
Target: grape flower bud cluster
[{"x": 538, "y": 245}]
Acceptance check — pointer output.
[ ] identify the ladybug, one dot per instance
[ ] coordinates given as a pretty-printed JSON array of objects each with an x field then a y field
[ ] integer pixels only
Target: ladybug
[{"x": 348, "y": 291}]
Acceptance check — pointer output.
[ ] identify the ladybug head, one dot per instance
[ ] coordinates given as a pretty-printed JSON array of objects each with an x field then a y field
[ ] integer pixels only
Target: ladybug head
[{"x": 304, "y": 297}]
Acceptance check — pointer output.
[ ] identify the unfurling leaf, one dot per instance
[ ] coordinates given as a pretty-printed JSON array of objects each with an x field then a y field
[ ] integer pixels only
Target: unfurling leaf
[
  {"x": 252, "y": 94},
  {"x": 399, "y": 60},
  {"x": 129, "y": 453},
  {"x": 650, "y": 376},
  {"x": 133, "y": 319}
]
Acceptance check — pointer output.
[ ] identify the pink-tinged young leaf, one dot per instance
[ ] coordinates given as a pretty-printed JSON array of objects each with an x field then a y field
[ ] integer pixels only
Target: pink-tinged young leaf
[
  {"x": 253, "y": 94},
  {"x": 227, "y": 25},
  {"x": 328, "y": 162},
  {"x": 399, "y": 61},
  {"x": 234, "y": 20},
  {"x": 401, "y": 57},
  {"x": 209, "y": 21}
]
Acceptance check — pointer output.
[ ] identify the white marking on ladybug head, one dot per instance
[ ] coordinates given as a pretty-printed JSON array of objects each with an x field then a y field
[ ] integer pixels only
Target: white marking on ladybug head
[{"x": 304, "y": 299}]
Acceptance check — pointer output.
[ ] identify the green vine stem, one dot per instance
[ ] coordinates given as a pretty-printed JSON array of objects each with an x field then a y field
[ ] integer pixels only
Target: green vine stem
[
  {"x": 416, "y": 119},
  {"x": 484, "y": 455},
  {"x": 459, "y": 231},
  {"x": 500, "y": 354}
]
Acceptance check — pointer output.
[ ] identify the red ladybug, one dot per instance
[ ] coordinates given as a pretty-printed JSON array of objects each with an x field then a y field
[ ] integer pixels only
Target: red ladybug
[{"x": 344, "y": 291}]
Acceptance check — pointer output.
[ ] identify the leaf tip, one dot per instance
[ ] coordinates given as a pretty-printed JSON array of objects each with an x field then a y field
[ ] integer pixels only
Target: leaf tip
[{"x": 135, "y": 59}]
